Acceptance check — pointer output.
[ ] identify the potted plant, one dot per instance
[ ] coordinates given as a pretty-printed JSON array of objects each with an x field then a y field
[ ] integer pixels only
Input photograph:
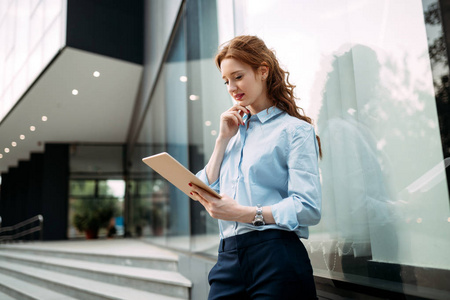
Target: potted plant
[{"x": 93, "y": 214}]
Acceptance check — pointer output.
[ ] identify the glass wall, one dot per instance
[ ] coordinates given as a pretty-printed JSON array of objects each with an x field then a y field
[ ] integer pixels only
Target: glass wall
[
  {"x": 439, "y": 52},
  {"x": 182, "y": 119},
  {"x": 96, "y": 190},
  {"x": 365, "y": 75},
  {"x": 32, "y": 33}
]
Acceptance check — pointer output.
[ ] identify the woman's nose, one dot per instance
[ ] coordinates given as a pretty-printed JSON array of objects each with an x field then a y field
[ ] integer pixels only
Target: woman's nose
[{"x": 231, "y": 87}]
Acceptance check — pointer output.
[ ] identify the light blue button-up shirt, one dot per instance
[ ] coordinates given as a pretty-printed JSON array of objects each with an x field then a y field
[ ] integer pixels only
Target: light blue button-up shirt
[{"x": 273, "y": 163}]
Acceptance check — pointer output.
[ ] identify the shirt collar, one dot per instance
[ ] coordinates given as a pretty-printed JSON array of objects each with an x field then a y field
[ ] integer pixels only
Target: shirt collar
[{"x": 267, "y": 114}]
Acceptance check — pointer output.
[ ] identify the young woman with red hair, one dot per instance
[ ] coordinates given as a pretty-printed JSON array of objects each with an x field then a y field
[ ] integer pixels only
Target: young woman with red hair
[{"x": 265, "y": 167}]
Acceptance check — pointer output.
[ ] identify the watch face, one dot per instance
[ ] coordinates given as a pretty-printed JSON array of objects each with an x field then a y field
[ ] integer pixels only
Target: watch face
[{"x": 258, "y": 223}]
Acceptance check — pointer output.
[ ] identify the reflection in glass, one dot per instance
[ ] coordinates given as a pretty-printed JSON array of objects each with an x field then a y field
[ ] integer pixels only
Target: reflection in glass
[
  {"x": 186, "y": 103},
  {"x": 148, "y": 209},
  {"x": 362, "y": 71},
  {"x": 361, "y": 209},
  {"x": 438, "y": 52}
]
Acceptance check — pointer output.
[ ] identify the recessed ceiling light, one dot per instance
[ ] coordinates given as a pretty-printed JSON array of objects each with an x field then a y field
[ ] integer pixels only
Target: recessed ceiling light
[
  {"x": 22, "y": 137},
  {"x": 32, "y": 128},
  {"x": 207, "y": 123},
  {"x": 213, "y": 132},
  {"x": 194, "y": 97},
  {"x": 44, "y": 118},
  {"x": 1, "y": 156},
  {"x": 183, "y": 78},
  {"x": 96, "y": 74},
  {"x": 74, "y": 92},
  {"x": 13, "y": 144},
  {"x": 6, "y": 150}
]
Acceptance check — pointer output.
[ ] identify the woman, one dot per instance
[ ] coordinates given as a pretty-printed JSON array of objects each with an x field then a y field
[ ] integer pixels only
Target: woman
[{"x": 265, "y": 167}]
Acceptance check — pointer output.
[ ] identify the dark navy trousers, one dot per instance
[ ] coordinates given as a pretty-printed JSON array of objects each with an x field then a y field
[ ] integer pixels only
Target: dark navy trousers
[{"x": 269, "y": 264}]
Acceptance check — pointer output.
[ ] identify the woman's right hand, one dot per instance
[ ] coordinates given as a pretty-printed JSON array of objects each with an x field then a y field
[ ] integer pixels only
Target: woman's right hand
[{"x": 230, "y": 121}]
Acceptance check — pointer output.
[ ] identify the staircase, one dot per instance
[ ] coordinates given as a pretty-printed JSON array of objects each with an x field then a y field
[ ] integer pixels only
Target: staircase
[{"x": 101, "y": 269}]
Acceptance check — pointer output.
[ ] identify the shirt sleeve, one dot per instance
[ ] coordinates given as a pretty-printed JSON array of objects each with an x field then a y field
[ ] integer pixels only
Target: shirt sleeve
[
  {"x": 302, "y": 206},
  {"x": 203, "y": 177}
]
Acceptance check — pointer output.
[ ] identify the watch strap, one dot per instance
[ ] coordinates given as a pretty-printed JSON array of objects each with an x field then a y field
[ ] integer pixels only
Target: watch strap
[{"x": 259, "y": 219}]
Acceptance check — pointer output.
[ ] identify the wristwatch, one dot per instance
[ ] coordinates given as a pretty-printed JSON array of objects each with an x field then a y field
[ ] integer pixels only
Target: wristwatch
[{"x": 259, "y": 219}]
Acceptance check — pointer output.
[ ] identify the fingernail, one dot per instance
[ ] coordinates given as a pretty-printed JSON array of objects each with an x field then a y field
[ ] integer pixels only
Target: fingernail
[
  {"x": 192, "y": 194},
  {"x": 190, "y": 184}
]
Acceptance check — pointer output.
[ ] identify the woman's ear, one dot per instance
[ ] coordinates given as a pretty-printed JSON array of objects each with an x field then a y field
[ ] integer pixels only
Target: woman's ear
[{"x": 264, "y": 71}]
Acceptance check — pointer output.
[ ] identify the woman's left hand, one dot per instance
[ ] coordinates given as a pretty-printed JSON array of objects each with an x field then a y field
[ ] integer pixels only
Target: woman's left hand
[{"x": 225, "y": 208}]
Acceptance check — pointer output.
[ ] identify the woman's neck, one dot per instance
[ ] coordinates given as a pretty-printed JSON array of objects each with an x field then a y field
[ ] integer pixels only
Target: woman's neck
[{"x": 258, "y": 107}]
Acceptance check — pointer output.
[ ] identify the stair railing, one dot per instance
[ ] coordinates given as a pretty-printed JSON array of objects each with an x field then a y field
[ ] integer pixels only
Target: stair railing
[{"x": 22, "y": 229}]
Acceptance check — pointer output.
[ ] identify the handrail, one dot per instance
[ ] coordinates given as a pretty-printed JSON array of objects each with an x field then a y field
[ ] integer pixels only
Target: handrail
[{"x": 18, "y": 234}]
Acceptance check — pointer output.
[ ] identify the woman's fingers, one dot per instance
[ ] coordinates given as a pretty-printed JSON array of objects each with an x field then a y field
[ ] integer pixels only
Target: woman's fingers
[
  {"x": 197, "y": 196},
  {"x": 198, "y": 192},
  {"x": 231, "y": 119},
  {"x": 201, "y": 196},
  {"x": 235, "y": 116},
  {"x": 241, "y": 108}
]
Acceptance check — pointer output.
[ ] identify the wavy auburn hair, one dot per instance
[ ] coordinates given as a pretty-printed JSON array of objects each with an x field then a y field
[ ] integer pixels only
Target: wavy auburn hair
[{"x": 252, "y": 51}]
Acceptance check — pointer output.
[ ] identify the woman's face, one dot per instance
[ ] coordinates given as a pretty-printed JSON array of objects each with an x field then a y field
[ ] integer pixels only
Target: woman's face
[{"x": 247, "y": 87}]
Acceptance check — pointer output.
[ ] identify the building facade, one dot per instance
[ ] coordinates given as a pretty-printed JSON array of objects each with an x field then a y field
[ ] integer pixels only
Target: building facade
[{"x": 119, "y": 81}]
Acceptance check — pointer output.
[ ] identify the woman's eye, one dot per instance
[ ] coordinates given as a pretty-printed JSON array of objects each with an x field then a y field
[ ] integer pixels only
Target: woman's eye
[{"x": 238, "y": 77}]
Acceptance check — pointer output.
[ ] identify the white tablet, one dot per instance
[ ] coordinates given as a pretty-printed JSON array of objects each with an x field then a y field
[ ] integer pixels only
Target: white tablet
[{"x": 169, "y": 168}]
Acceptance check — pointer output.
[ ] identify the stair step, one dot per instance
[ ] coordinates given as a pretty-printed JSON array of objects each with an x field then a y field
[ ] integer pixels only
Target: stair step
[
  {"x": 18, "y": 289},
  {"x": 4, "y": 296},
  {"x": 116, "y": 252},
  {"x": 81, "y": 288},
  {"x": 143, "y": 279}
]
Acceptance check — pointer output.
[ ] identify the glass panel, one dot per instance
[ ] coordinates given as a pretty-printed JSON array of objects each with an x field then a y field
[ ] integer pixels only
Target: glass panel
[
  {"x": 37, "y": 24},
  {"x": 52, "y": 10},
  {"x": 176, "y": 209},
  {"x": 208, "y": 99},
  {"x": 438, "y": 51},
  {"x": 363, "y": 74},
  {"x": 83, "y": 188},
  {"x": 97, "y": 189},
  {"x": 181, "y": 120},
  {"x": 23, "y": 32},
  {"x": 112, "y": 188},
  {"x": 95, "y": 214},
  {"x": 95, "y": 204}
]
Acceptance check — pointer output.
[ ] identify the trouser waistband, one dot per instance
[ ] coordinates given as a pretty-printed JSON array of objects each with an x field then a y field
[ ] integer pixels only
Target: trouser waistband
[{"x": 254, "y": 237}]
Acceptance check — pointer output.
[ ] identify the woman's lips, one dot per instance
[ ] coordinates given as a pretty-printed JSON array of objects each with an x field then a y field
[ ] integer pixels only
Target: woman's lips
[{"x": 238, "y": 97}]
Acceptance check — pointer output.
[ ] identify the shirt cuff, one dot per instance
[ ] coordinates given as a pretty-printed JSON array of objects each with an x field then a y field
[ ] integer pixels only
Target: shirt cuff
[
  {"x": 203, "y": 177},
  {"x": 284, "y": 214}
]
